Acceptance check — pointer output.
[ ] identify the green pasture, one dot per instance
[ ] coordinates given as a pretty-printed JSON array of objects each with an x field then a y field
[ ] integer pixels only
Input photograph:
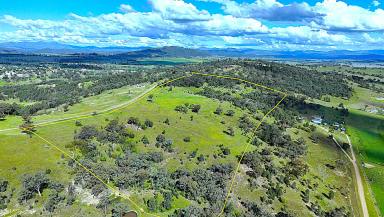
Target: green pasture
[{"x": 206, "y": 131}]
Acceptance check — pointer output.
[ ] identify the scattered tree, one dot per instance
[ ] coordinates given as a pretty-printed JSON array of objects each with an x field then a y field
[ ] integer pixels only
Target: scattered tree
[
  {"x": 230, "y": 131},
  {"x": 187, "y": 139},
  {"x": 145, "y": 140},
  {"x": 33, "y": 184},
  {"x": 181, "y": 108},
  {"x": 148, "y": 123},
  {"x": 27, "y": 126},
  {"x": 230, "y": 113},
  {"x": 218, "y": 111},
  {"x": 195, "y": 108}
]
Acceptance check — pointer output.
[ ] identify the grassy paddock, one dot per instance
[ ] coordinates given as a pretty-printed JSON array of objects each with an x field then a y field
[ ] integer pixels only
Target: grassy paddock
[{"x": 32, "y": 154}]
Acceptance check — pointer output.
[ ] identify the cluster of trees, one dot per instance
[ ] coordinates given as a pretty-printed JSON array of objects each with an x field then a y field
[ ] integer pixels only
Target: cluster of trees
[
  {"x": 275, "y": 136},
  {"x": 208, "y": 184},
  {"x": 143, "y": 125},
  {"x": 58, "y": 196},
  {"x": 10, "y": 109},
  {"x": 155, "y": 204},
  {"x": 251, "y": 209},
  {"x": 184, "y": 108},
  {"x": 35, "y": 184},
  {"x": 219, "y": 111},
  {"x": 32, "y": 185},
  {"x": 165, "y": 144},
  {"x": 375, "y": 84}
]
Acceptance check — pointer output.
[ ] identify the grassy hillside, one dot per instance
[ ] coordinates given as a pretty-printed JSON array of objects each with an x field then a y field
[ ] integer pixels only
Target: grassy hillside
[
  {"x": 28, "y": 155},
  {"x": 205, "y": 130},
  {"x": 207, "y": 140}
]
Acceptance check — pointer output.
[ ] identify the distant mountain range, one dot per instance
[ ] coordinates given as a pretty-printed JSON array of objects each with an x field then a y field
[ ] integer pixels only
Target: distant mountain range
[
  {"x": 130, "y": 53},
  {"x": 58, "y": 48}
]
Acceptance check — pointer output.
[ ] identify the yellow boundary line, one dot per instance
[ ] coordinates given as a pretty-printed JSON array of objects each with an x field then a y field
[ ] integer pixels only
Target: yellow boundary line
[{"x": 116, "y": 191}]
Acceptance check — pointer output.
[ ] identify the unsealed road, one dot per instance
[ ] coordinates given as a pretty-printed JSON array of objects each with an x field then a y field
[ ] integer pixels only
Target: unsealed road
[{"x": 360, "y": 187}]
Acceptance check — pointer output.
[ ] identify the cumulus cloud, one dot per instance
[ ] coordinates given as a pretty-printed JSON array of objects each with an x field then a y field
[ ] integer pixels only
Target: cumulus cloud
[
  {"x": 269, "y": 10},
  {"x": 307, "y": 35},
  {"x": 175, "y": 22},
  {"x": 163, "y": 20},
  {"x": 179, "y": 11},
  {"x": 331, "y": 15},
  {"x": 126, "y": 8},
  {"x": 339, "y": 16}
]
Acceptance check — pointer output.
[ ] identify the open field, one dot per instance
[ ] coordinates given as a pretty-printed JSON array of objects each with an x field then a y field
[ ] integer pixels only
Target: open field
[
  {"x": 367, "y": 131},
  {"x": 376, "y": 180}
]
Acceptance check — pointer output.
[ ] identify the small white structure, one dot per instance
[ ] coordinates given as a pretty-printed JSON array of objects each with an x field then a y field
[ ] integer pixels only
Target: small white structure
[
  {"x": 317, "y": 120},
  {"x": 373, "y": 110}
]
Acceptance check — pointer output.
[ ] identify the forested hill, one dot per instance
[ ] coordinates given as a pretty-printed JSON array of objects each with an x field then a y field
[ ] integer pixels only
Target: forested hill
[
  {"x": 171, "y": 51},
  {"x": 66, "y": 87},
  {"x": 284, "y": 77}
]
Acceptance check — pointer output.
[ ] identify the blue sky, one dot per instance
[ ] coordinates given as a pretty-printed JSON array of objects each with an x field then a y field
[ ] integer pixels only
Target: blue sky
[{"x": 259, "y": 24}]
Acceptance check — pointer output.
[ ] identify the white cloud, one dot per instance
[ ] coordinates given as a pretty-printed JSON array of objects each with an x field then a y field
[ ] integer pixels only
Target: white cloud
[
  {"x": 332, "y": 15},
  {"x": 268, "y": 10},
  {"x": 157, "y": 24},
  {"x": 126, "y": 8},
  {"x": 179, "y": 10},
  {"x": 307, "y": 35},
  {"x": 340, "y": 16},
  {"x": 375, "y": 3},
  {"x": 377, "y": 39},
  {"x": 175, "y": 22}
]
